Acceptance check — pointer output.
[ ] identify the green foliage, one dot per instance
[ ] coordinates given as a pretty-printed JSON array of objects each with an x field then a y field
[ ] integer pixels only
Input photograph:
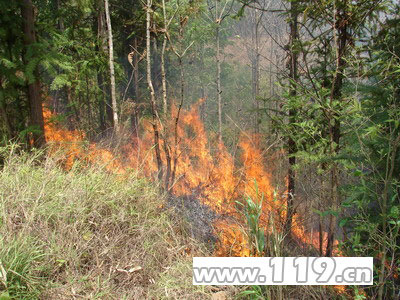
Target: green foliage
[
  {"x": 367, "y": 109},
  {"x": 252, "y": 211},
  {"x": 255, "y": 292},
  {"x": 22, "y": 261},
  {"x": 5, "y": 296},
  {"x": 374, "y": 145}
]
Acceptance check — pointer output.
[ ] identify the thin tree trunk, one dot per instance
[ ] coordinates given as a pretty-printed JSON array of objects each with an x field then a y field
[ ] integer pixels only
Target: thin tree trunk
[
  {"x": 340, "y": 39},
  {"x": 89, "y": 109},
  {"x": 163, "y": 75},
  {"x": 270, "y": 67},
  {"x": 219, "y": 92},
  {"x": 179, "y": 55},
  {"x": 256, "y": 69},
  {"x": 101, "y": 49},
  {"x": 134, "y": 115},
  {"x": 105, "y": 104},
  {"x": 136, "y": 71},
  {"x": 257, "y": 83},
  {"x": 175, "y": 153},
  {"x": 163, "y": 78},
  {"x": 111, "y": 62},
  {"x": 167, "y": 151},
  {"x": 34, "y": 97},
  {"x": 292, "y": 115},
  {"x": 182, "y": 80},
  {"x": 152, "y": 93}
]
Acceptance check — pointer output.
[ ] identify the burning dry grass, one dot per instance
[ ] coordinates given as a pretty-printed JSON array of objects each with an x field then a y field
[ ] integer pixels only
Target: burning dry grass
[
  {"x": 85, "y": 234},
  {"x": 206, "y": 189},
  {"x": 207, "y": 172}
]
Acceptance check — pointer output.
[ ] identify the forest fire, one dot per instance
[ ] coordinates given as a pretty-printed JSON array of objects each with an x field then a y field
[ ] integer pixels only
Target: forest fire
[
  {"x": 208, "y": 173},
  {"x": 296, "y": 151}
]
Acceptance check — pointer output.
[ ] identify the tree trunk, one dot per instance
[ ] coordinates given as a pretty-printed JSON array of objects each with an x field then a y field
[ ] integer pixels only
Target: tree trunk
[
  {"x": 152, "y": 93},
  {"x": 101, "y": 48},
  {"x": 34, "y": 97},
  {"x": 219, "y": 92},
  {"x": 175, "y": 152},
  {"x": 292, "y": 115},
  {"x": 112, "y": 74},
  {"x": 256, "y": 69},
  {"x": 164, "y": 101},
  {"x": 101, "y": 101},
  {"x": 134, "y": 115},
  {"x": 163, "y": 75},
  {"x": 340, "y": 40},
  {"x": 136, "y": 71}
]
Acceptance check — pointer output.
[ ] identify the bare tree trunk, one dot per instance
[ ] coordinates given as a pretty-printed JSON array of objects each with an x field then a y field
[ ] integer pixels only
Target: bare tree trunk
[
  {"x": 163, "y": 76},
  {"x": 175, "y": 152},
  {"x": 152, "y": 93},
  {"x": 270, "y": 67},
  {"x": 255, "y": 60},
  {"x": 219, "y": 92},
  {"x": 218, "y": 17},
  {"x": 112, "y": 74},
  {"x": 136, "y": 71},
  {"x": 101, "y": 49},
  {"x": 257, "y": 83},
  {"x": 135, "y": 112},
  {"x": 292, "y": 115},
  {"x": 34, "y": 97},
  {"x": 167, "y": 151}
]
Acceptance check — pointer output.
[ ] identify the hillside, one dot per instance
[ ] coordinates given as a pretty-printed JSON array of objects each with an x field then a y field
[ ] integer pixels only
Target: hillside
[{"x": 87, "y": 234}]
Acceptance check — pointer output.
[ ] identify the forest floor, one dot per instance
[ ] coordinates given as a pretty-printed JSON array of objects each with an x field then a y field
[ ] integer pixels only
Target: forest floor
[{"x": 88, "y": 233}]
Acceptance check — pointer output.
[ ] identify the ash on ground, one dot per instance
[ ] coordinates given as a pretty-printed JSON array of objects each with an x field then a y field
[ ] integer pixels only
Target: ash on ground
[{"x": 199, "y": 216}]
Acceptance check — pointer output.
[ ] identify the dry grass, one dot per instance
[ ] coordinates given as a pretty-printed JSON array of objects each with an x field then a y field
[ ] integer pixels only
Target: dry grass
[{"x": 88, "y": 234}]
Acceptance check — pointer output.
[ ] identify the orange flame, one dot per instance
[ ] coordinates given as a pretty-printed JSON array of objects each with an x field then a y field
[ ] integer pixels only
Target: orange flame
[{"x": 209, "y": 173}]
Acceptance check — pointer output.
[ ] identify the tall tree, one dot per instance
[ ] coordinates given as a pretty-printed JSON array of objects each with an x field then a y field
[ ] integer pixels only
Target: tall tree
[
  {"x": 111, "y": 62},
  {"x": 154, "y": 113},
  {"x": 34, "y": 93},
  {"x": 293, "y": 77},
  {"x": 341, "y": 39},
  {"x": 256, "y": 18},
  {"x": 164, "y": 46},
  {"x": 101, "y": 49},
  {"x": 218, "y": 11},
  {"x": 218, "y": 61}
]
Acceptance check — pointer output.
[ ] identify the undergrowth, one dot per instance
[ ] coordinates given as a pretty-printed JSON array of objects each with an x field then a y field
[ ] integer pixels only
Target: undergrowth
[{"x": 87, "y": 233}]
